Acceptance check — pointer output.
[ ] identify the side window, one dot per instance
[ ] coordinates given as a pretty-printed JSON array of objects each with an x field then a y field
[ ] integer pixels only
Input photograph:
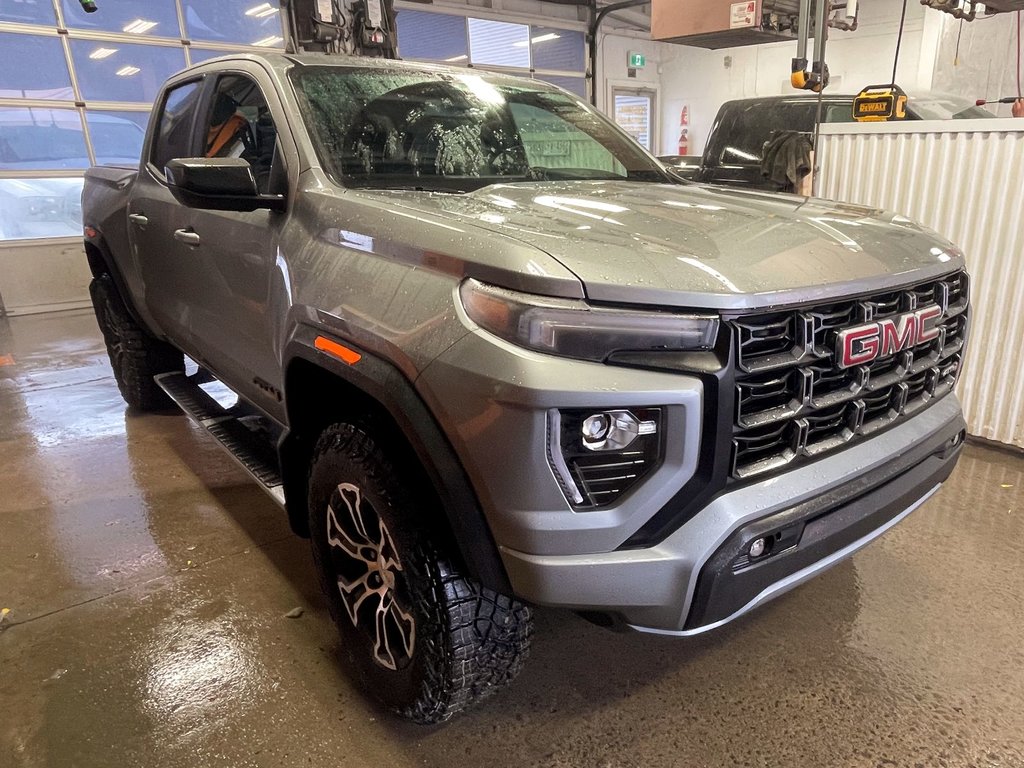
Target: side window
[
  {"x": 239, "y": 125},
  {"x": 174, "y": 130}
]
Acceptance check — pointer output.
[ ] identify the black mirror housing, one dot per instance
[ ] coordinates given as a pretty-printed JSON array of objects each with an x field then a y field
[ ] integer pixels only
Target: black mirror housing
[{"x": 219, "y": 184}]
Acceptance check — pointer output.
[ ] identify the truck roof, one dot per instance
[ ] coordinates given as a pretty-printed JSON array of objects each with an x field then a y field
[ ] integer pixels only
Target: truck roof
[{"x": 282, "y": 62}]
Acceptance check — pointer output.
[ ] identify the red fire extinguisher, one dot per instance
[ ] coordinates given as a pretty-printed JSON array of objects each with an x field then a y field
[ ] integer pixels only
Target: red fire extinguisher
[{"x": 684, "y": 131}]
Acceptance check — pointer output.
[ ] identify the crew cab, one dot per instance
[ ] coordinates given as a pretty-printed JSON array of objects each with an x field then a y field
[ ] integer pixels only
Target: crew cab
[{"x": 490, "y": 355}]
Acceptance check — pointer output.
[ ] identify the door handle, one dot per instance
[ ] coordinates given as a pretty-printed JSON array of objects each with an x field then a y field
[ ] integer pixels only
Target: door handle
[
  {"x": 139, "y": 219},
  {"x": 187, "y": 236}
]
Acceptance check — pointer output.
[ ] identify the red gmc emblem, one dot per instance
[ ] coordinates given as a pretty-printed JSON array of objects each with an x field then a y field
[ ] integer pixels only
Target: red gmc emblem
[{"x": 864, "y": 343}]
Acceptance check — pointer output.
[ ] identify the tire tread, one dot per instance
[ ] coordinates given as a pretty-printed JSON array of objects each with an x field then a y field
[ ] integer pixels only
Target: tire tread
[
  {"x": 483, "y": 637},
  {"x": 135, "y": 356}
]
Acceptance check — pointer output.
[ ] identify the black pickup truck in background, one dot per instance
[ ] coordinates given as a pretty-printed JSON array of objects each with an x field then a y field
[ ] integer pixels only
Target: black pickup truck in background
[{"x": 733, "y": 152}]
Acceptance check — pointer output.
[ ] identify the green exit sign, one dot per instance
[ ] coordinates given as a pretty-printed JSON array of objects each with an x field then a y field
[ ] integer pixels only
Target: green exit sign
[{"x": 637, "y": 61}]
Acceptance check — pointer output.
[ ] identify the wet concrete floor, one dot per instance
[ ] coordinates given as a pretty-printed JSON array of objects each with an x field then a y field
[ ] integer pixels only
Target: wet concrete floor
[{"x": 148, "y": 582}]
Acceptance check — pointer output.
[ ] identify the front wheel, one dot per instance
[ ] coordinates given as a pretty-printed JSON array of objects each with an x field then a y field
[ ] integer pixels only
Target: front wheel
[{"x": 419, "y": 635}]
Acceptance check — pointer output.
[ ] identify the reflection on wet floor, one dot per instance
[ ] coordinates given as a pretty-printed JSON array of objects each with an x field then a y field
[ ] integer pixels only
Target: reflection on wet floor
[{"x": 148, "y": 583}]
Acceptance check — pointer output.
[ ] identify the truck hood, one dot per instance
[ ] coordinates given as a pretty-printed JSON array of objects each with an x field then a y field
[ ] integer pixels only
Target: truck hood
[{"x": 702, "y": 246}]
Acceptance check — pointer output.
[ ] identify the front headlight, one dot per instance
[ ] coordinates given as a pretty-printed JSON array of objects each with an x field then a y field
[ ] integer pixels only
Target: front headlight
[{"x": 573, "y": 328}]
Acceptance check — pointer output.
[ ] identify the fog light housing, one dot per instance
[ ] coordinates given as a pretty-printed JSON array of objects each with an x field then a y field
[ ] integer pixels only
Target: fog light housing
[
  {"x": 595, "y": 429},
  {"x": 614, "y": 430},
  {"x": 598, "y": 456}
]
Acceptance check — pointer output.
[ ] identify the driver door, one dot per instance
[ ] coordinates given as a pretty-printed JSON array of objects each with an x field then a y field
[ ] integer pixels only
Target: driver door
[{"x": 239, "y": 309}]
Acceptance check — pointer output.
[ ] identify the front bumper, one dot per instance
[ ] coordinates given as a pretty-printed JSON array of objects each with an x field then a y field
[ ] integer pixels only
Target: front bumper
[{"x": 696, "y": 579}]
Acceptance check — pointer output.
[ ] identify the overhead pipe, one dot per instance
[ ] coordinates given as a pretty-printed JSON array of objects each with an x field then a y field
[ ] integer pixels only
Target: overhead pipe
[
  {"x": 817, "y": 78},
  {"x": 819, "y": 69}
]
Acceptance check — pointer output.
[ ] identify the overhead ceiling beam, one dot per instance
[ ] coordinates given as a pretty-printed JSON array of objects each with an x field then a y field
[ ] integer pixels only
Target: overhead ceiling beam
[{"x": 636, "y": 19}]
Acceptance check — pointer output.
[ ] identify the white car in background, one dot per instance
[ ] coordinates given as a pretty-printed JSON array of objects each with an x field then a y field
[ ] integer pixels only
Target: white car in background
[{"x": 33, "y": 140}]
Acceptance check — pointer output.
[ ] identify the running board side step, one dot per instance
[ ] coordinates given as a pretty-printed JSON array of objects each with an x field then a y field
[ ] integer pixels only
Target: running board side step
[{"x": 231, "y": 428}]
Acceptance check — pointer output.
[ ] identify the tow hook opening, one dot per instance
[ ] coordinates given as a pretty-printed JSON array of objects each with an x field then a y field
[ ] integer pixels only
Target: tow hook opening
[
  {"x": 764, "y": 546},
  {"x": 952, "y": 444}
]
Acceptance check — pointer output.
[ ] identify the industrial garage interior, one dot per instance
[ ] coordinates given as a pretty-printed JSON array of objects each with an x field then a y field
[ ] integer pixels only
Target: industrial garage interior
[{"x": 511, "y": 382}]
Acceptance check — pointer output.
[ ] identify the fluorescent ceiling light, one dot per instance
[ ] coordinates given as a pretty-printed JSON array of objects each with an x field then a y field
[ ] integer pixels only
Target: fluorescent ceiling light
[
  {"x": 128, "y": 71},
  {"x": 102, "y": 53},
  {"x": 463, "y": 57},
  {"x": 268, "y": 41},
  {"x": 539, "y": 39},
  {"x": 261, "y": 11},
  {"x": 139, "y": 27}
]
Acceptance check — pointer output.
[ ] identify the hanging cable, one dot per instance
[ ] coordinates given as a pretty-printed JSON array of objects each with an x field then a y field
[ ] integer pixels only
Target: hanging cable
[
  {"x": 827, "y": 10},
  {"x": 899, "y": 41}
]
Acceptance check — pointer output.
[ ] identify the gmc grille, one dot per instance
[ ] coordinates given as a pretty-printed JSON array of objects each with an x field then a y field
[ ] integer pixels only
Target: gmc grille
[{"x": 794, "y": 403}]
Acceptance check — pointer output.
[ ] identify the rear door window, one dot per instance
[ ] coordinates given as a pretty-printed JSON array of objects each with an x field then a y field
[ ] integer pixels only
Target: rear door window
[{"x": 174, "y": 127}]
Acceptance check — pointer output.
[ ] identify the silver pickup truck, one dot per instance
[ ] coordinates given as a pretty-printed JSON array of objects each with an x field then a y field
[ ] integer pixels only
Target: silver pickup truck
[{"x": 489, "y": 354}]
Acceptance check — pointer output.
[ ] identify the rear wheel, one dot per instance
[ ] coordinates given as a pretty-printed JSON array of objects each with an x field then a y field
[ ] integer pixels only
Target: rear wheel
[
  {"x": 135, "y": 356},
  {"x": 419, "y": 635}
]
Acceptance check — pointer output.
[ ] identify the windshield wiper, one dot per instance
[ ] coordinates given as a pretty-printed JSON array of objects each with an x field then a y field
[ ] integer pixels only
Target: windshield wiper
[
  {"x": 540, "y": 173},
  {"x": 442, "y": 190},
  {"x": 412, "y": 188}
]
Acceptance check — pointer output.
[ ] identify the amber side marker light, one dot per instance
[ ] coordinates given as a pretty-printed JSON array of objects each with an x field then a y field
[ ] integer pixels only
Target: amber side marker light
[
  {"x": 337, "y": 350},
  {"x": 6, "y": 360}
]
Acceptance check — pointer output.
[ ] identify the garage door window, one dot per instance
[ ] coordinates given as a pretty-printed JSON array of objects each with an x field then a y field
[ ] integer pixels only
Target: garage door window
[
  {"x": 128, "y": 73},
  {"x": 40, "y": 208},
  {"x": 433, "y": 36},
  {"x": 557, "y": 49},
  {"x": 499, "y": 44},
  {"x": 28, "y": 12},
  {"x": 117, "y": 136},
  {"x": 153, "y": 18},
  {"x": 78, "y": 93},
  {"x": 553, "y": 54},
  {"x": 245, "y": 22},
  {"x": 39, "y": 138},
  {"x": 48, "y": 77}
]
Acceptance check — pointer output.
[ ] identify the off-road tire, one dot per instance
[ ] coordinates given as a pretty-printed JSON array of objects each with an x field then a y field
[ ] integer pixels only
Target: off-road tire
[
  {"x": 469, "y": 640},
  {"x": 135, "y": 356}
]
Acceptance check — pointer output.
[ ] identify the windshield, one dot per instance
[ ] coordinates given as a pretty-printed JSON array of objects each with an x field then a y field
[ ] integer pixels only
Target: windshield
[{"x": 400, "y": 129}]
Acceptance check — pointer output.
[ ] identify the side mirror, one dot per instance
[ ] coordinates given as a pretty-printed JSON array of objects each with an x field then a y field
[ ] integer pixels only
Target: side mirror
[{"x": 219, "y": 184}]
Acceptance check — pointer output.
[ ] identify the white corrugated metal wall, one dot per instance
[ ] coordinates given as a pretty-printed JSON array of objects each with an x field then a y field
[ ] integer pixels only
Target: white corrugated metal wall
[{"x": 964, "y": 179}]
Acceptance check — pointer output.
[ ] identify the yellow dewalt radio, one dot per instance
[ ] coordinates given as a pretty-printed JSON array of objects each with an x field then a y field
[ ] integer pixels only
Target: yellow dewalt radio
[{"x": 878, "y": 103}]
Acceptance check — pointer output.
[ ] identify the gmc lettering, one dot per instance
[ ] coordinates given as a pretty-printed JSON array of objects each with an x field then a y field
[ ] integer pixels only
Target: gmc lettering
[{"x": 864, "y": 343}]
